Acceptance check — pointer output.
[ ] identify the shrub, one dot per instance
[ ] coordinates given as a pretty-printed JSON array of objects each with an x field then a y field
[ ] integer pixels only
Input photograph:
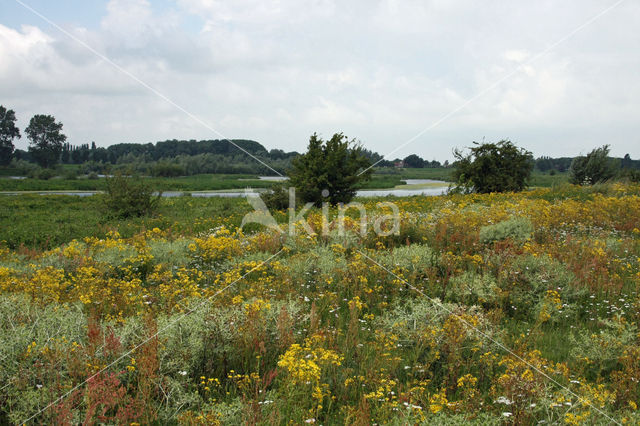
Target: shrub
[
  {"x": 493, "y": 167},
  {"x": 596, "y": 167},
  {"x": 70, "y": 175},
  {"x": 630, "y": 175},
  {"x": 24, "y": 168},
  {"x": 43, "y": 174},
  {"x": 529, "y": 284},
  {"x": 518, "y": 229},
  {"x": 277, "y": 197},
  {"x": 411, "y": 258},
  {"x": 130, "y": 196},
  {"x": 473, "y": 289}
]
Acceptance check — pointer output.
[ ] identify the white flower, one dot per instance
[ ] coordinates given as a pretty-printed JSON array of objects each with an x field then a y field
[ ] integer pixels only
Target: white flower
[
  {"x": 507, "y": 414},
  {"x": 182, "y": 373},
  {"x": 310, "y": 421},
  {"x": 503, "y": 400}
]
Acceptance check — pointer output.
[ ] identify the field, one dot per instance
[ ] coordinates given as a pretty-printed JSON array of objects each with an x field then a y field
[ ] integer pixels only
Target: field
[{"x": 485, "y": 309}]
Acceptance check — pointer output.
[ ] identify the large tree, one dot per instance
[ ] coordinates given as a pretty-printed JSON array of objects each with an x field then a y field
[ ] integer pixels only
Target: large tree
[
  {"x": 336, "y": 167},
  {"x": 8, "y": 132},
  {"x": 493, "y": 167},
  {"x": 46, "y": 139}
]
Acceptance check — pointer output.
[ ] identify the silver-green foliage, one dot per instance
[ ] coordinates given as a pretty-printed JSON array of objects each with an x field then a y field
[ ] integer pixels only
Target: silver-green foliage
[
  {"x": 411, "y": 258},
  {"x": 517, "y": 229},
  {"x": 471, "y": 288},
  {"x": 175, "y": 253},
  {"x": 23, "y": 324}
]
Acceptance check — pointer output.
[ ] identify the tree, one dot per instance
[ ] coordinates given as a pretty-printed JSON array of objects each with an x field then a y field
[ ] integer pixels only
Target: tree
[
  {"x": 596, "y": 167},
  {"x": 493, "y": 167},
  {"x": 413, "y": 161},
  {"x": 8, "y": 132},
  {"x": 333, "y": 166},
  {"x": 46, "y": 139}
]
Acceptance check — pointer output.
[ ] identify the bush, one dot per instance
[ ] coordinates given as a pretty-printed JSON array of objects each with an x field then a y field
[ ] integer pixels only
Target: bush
[
  {"x": 596, "y": 167},
  {"x": 276, "y": 197},
  {"x": 518, "y": 229},
  {"x": 70, "y": 175},
  {"x": 24, "y": 168},
  {"x": 129, "y": 196},
  {"x": 42, "y": 174},
  {"x": 493, "y": 167},
  {"x": 530, "y": 281},
  {"x": 473, "y": 289},
  {"x": 630, "y": 175}
]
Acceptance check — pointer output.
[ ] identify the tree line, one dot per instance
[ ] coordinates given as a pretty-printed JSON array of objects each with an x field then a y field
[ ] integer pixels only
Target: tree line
[{"x": 48, "y": 147}]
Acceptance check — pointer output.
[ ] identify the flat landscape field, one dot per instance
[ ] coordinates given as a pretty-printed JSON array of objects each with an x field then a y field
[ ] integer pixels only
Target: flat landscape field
[{"x": 481, "y": 309}]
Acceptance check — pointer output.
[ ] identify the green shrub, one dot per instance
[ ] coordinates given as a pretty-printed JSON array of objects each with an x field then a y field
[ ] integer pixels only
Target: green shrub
[
  {"x": 492, "y": 167},
  {"x": 42, "y": 174},
  {"x": 276, "y": 197},
  {"x": 130, "y": 196},
  {"x": 24, "y": 168},
  {"x": 70, "y": 174},
  {"x": 596, "y": 167},
  {"x": 517, "y": 229},
  {"x": 630, "y": 175}
]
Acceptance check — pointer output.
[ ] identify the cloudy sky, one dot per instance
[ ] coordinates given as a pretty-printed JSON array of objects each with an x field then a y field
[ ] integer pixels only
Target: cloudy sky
[{"x": 379, "y": 71}]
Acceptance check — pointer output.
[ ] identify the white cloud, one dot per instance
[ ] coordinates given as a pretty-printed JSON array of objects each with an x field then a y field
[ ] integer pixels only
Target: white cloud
[{"x": 379, "y": 71}]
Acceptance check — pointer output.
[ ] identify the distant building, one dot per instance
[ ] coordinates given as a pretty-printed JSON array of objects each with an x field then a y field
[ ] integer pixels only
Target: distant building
[{"x": 399, "y": 164}]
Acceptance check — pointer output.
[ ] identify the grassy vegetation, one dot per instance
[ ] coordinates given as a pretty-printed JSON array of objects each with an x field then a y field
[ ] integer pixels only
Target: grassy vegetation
[
  {"x": 186, "y": 183},
  {"x": 269, "y": 328},
  {"x": 46, "y": 221},
  {"x": 383, "y": 178},
  {"x": 546, "y": 180},
  {"x": 380, "y": 180},
  {"x": 438, "y": 173}
]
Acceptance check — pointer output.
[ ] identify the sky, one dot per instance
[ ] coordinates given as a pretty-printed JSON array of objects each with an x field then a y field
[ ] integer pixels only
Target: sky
[{"x": 402, "y": 77}]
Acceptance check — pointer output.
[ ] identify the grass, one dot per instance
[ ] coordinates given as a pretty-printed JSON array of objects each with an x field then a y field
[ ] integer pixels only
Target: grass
[
  {"x": 407, "y": 328},
  {"x": 546, "y": 180},
  {"x": 186, "y": 183},
  {"x": 382, "y": 178},
  {"x": 46, "y": 221}
]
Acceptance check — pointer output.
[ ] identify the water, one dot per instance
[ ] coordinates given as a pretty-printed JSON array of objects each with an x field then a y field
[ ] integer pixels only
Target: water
[
  {"x": 273, "y": 178},
  {"x": 427, "y": 191},
  {"x": 424, "y": 181},
  {"x": 210, "y": 194},
  {"x": 403, "y": 192}
]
